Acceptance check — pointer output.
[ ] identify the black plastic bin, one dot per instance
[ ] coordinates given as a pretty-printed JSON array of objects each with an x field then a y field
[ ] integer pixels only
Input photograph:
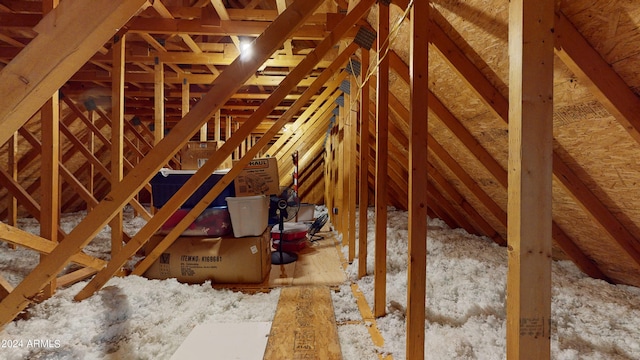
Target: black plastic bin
[{"x": 167, "y": 182}]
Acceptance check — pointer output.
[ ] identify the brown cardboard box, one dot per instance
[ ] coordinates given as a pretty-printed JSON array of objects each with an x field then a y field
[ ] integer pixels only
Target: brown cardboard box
[
  {"x": 194, "y": 260},
  {"x": 195, "y": 153},
  {"x": 259, "y": 177}
]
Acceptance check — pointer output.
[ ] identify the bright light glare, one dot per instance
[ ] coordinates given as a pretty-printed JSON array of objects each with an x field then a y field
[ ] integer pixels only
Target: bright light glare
[{"x": 245, "y": 48}]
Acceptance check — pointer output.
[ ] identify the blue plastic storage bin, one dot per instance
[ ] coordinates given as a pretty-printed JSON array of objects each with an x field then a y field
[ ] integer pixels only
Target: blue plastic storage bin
[{"x": 167, "y": 182}]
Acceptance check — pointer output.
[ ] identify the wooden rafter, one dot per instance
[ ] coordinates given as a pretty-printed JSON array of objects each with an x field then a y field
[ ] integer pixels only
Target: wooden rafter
[{"x": 605, "y": 84}]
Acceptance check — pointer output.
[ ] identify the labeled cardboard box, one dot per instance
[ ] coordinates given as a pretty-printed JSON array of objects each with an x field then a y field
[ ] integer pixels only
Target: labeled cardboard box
[
  {"x": 195, "y": 153},
  {"x": 259, "y": 177},
  {"x": 194, "y": 260}
]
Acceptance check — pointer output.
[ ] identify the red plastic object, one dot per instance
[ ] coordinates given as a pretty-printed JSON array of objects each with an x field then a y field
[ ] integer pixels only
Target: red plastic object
[
  {"x": 291, "y": 232},
  {"x": 290, "y": 246},
  {"x": 214, "y": 221}
]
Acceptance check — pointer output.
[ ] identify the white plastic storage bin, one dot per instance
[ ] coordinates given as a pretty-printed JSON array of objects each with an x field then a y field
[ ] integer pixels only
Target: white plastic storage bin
[{"x": 249, "y": 214}]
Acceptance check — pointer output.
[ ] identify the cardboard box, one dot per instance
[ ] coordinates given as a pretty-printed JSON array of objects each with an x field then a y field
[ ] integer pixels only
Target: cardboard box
[
  {"x": 194, "y": 260},
  {"x": 259, "y": 177},
  {"x": 195, "y": 153}
]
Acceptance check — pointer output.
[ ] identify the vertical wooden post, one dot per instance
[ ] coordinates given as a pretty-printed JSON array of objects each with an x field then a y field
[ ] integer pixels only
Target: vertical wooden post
[
  {"x": 352, "y": 125},
  {"x": 343, "y": 169},
  {"x": 50, "y": 167},
  {"x": 12, "y": 206},
  {"x": 382, "y": 148},
  {"x": 216, "y": 127},
  {"x": 117, "y": 134},
  {"x": 238, "y": 152},
  {"x": 531, "y": 57},
  {"x": 243, "y": 144},
  {"x": 50, "y": 176},
  {"x": 364, "y": 164},
  {"x": 91, "y": 145},
  {"x": 158, "y": 91},
  {"x": 418, "y": 128}
]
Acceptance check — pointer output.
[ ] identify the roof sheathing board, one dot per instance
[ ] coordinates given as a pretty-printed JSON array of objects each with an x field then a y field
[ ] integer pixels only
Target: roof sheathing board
[{"x": 588, "y": 139}]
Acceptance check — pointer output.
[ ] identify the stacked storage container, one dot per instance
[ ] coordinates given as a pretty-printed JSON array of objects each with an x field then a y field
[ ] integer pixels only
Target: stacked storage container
[{"x": 215, "y": 220}]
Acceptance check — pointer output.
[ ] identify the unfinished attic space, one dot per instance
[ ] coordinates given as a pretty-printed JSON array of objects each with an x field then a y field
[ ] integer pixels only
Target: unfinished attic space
[{"x": 336, "y": 179}]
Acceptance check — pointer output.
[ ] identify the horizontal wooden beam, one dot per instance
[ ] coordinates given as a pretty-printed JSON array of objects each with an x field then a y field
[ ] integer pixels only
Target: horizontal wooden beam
[{"x": 25, "y": 239}]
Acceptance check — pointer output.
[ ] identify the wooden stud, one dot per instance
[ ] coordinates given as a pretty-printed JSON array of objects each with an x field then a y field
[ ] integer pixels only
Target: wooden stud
[
  {"x": 530, "y": 176},
  {"x": 50, "y": 178},
  {"x": 12, "y": 169},
  {"x": 216, "y": 127},
  {"x": 91, "y": 145},
  {"x": 339, "y": 221},
  {"x": 5, "y": 287},
  {"x": 381, "y": 176},
  {"x": 417, "y": 277},
  {"x": 228, "y": 128},
  {"x": 158, "y": 103},
  {"x": 117, "y": 134},
  {"x": 363, "y": 200},
  {"x": 353, "y": 107}
]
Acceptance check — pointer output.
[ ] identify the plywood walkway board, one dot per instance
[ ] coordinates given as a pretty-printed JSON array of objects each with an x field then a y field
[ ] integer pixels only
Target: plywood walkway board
[
  {"x": 304, "y": 326},
  {"x": 319, "y": 264},
  {"x": 40, "y": 69}
]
